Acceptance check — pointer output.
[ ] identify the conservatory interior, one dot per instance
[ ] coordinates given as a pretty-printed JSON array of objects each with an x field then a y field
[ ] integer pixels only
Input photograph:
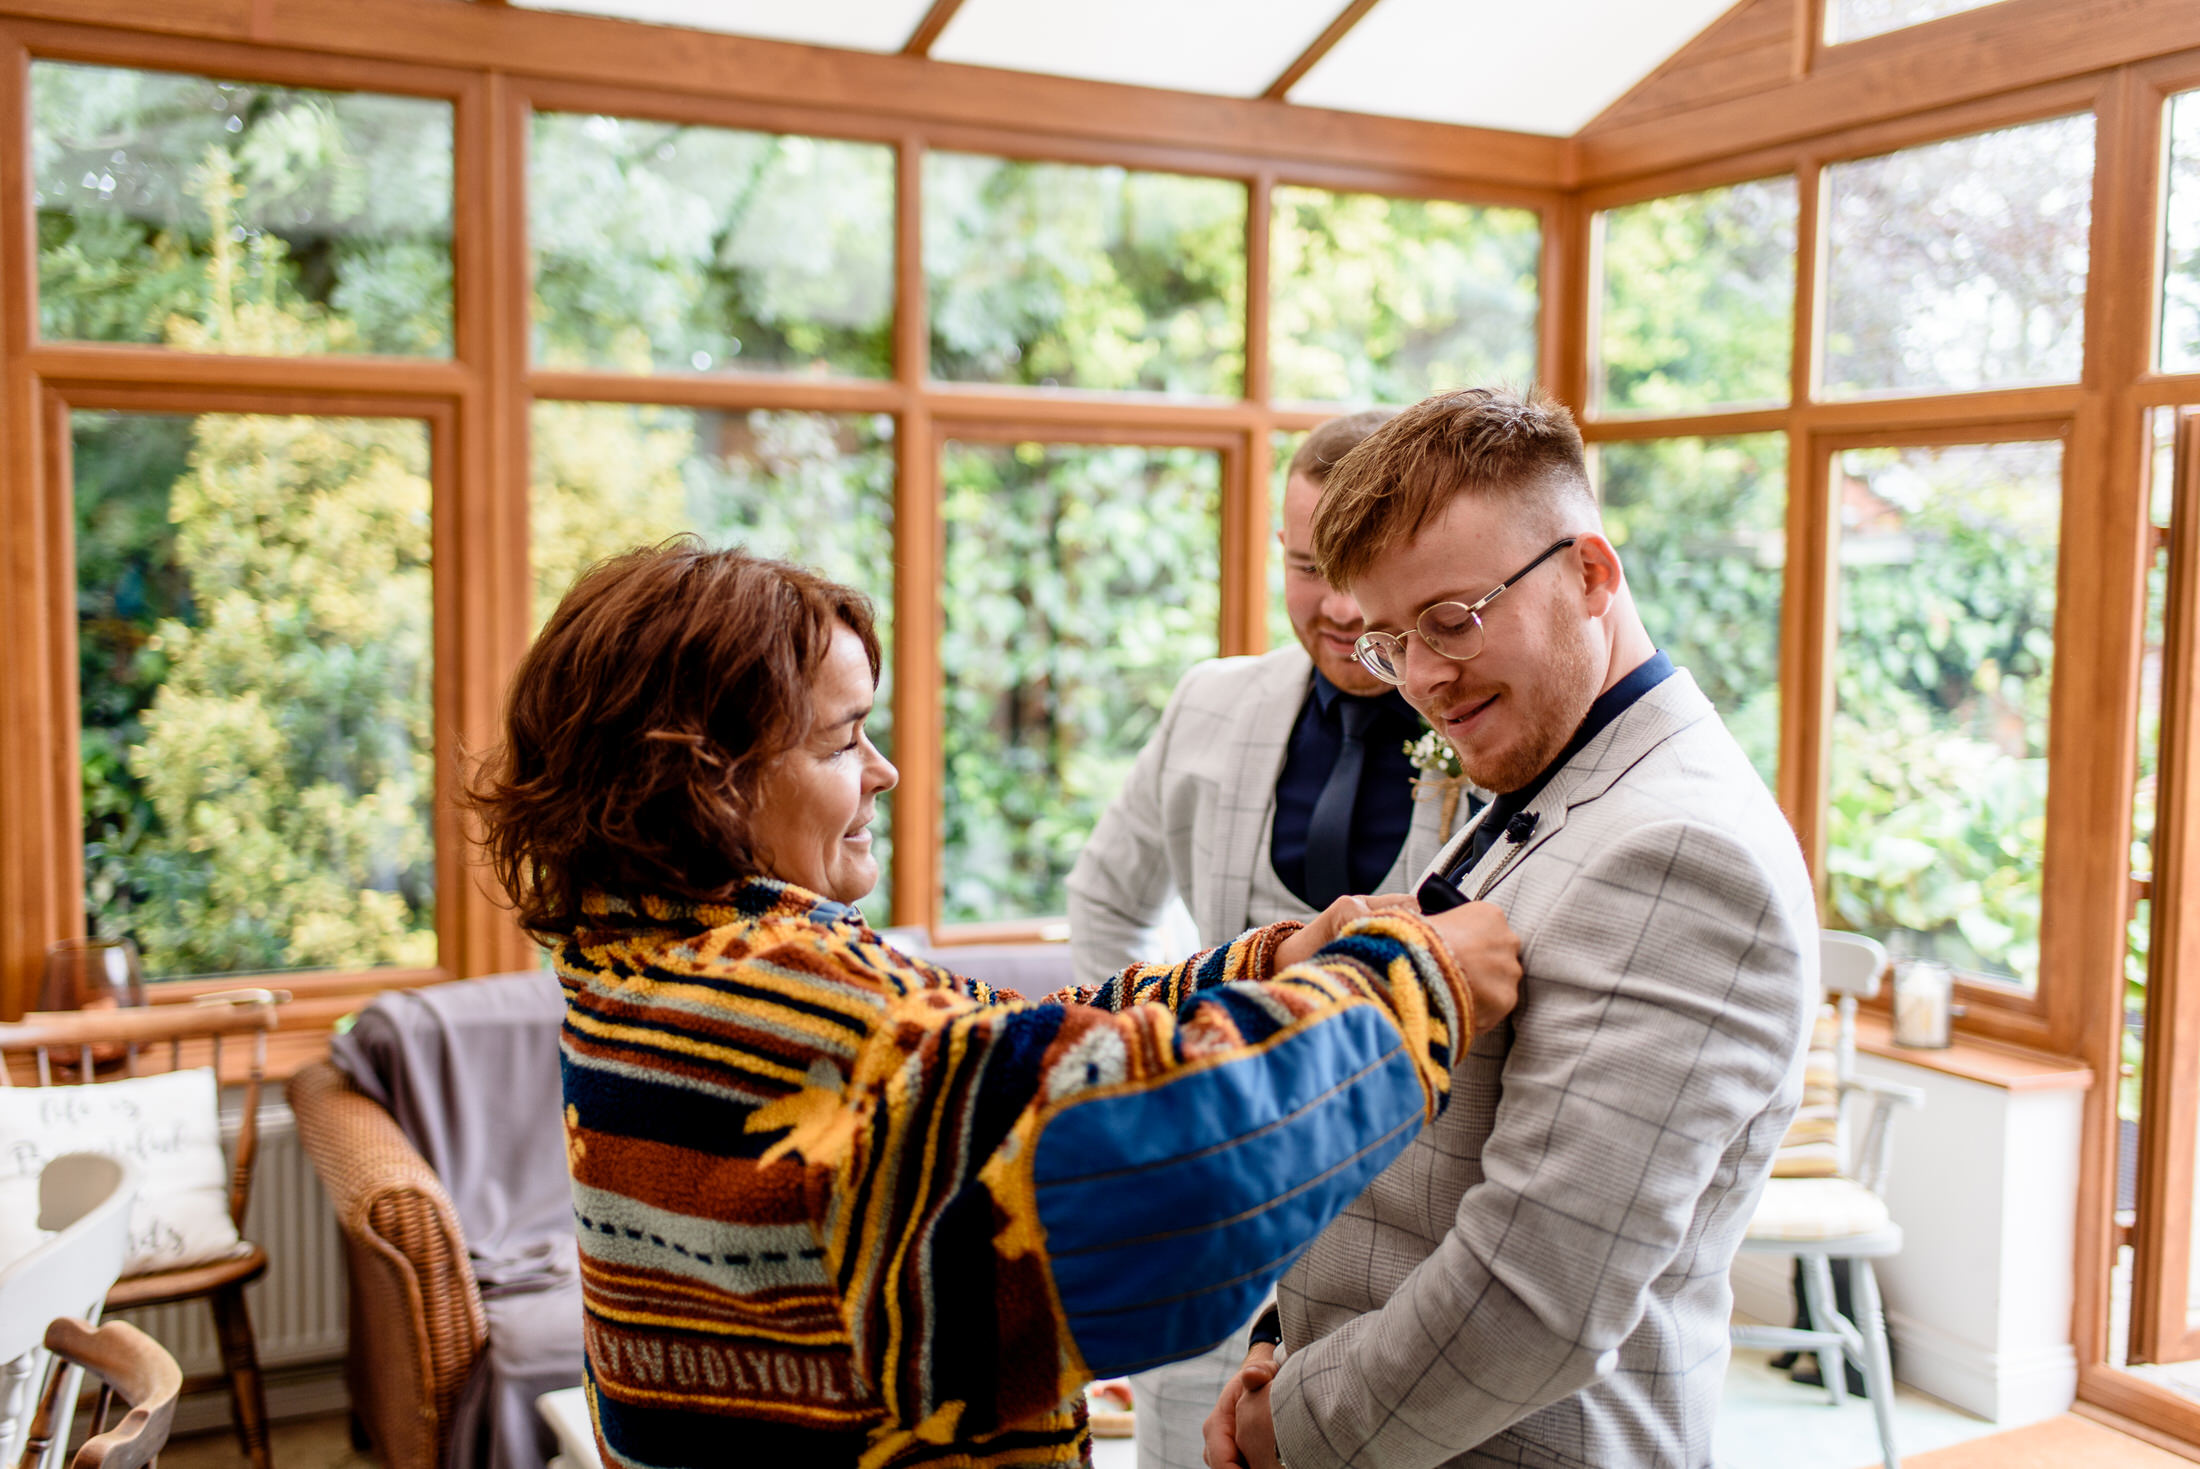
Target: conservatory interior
[{"x": 337, "y": 339}]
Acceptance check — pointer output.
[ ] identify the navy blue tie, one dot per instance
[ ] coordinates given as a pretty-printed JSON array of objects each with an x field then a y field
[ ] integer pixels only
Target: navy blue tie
[{"x": 1329, "y": 829}]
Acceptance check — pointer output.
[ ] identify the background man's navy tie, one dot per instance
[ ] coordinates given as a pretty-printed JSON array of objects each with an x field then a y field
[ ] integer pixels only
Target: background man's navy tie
[{"x": 1329, "y": 830}]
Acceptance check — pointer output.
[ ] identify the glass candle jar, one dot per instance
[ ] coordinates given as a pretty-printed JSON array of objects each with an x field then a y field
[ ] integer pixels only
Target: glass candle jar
[{"x": 1924, "y": 996}]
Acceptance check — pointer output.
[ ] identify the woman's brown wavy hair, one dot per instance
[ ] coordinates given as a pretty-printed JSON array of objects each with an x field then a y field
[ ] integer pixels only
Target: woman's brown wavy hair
[{"x": 639, "y": 721}]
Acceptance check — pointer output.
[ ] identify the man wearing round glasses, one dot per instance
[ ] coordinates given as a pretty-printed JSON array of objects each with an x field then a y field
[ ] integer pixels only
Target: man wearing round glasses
[
  {"x": 1541, "y": 1278},
  {"x": 1273, "y": 786}
]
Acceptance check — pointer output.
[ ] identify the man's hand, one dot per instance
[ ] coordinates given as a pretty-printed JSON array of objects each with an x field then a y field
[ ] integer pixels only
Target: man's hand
[
  {"x": 1256, "y": 1424},
  {"x": 1220, "y": 1431},
  {"x": 1327, "y": 925},
  {"x": 1487, "y": 952}
]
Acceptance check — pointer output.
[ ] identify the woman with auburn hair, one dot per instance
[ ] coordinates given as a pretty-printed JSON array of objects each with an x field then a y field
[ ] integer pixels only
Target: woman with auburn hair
[{"x": 836, "y": 1205}]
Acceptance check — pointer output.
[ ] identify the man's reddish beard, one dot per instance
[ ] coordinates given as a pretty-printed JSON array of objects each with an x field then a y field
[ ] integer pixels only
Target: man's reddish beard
[{"x": 1549, "y": 711}]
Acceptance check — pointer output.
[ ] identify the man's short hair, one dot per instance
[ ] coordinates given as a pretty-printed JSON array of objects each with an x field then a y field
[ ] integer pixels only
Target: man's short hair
[
  {"x": 1320, "y": 451},
  {"x": 1477, "y": 441}
]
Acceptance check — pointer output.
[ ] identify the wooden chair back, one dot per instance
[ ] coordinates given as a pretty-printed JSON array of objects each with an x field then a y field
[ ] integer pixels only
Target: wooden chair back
[
  {"x": 130, "y": 1366},
  {"x": 1849, "y": 969},
  {"x": 37, "y": 1048}
]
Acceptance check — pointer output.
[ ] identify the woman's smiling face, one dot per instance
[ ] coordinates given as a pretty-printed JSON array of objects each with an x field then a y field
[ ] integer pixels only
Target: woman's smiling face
[{"x": 814, "y": 803}]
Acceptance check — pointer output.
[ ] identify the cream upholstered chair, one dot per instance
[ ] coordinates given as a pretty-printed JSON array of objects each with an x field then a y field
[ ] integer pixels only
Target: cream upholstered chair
[
  {"x": 85, "y": 1199},
  {"x": 1840, "y": 1216}
]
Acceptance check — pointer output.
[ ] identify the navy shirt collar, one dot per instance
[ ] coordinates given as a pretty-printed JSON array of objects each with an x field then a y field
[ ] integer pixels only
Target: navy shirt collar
[{"x": 1608, "y": 706}]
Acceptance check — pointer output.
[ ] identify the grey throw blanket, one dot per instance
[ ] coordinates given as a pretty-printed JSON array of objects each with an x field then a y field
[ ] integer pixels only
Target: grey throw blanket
[{"x": 470, "y": 1072}]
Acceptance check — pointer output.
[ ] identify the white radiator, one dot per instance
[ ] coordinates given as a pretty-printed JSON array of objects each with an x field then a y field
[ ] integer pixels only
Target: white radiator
[{"x": 298, "y": 1307}]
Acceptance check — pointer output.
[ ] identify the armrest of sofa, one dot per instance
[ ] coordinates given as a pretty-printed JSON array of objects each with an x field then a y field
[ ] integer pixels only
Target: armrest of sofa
[{"x": 417, "y": 1322}]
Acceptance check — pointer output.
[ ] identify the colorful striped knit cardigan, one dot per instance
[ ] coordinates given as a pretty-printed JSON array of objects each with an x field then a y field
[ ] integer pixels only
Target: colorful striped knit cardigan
[{"x": 837, "y": 1205}]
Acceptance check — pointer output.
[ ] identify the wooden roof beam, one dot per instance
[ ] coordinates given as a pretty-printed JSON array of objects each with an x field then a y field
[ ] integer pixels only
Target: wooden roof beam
[
  {"x": 1346, "y": 19},
  {"x": 1970, "y": 57},
  {"x": 928, "y": 29}
]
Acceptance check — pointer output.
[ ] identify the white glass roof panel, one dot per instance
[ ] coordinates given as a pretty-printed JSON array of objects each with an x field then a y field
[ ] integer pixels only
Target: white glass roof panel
[
  {"x": 1853, "y": 20},
  {"x": 865, "y": 25},
  {"x": 1548, "y": 67},
  {"x": 1231, "y": 47}
]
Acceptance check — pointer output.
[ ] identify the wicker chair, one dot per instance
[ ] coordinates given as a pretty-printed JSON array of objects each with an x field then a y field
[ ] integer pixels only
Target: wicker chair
[{"x": 417, "y": 1324}]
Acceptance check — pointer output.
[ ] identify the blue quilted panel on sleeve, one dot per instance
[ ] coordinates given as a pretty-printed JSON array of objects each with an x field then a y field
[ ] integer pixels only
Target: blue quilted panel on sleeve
[{"x": 1169, "y": 1213}]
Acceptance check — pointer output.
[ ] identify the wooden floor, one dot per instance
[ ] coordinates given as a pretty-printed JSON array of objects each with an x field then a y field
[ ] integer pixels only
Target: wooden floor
[
  {"x": 304, "y": 1443},
  {"x": 2068, "y": 1442}
]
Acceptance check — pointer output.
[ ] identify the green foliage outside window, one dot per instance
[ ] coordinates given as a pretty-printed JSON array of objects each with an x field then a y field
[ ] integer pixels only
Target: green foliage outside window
[
  {"x": 1382, "y": 300},
  {"x": 661, "y": 247},
  {"x": 255, "y": 652},
  {"x": 344, "y": 196},
  {"x": 1938, "y": 802},
  {"x": 811, "y": 487},
  {"x": 1699, "y": 299},
  {"x": 1701, "y": 527},
  {"x": 1960, "y": 264},
  {"x": 1082, "y": 582},
  {"x": 230, "y": 568},
  {"x": 257, "y": 763},
  {"x": 1060, "y": 275}
]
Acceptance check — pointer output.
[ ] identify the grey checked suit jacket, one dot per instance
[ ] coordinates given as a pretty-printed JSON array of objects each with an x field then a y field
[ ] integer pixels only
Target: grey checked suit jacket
[
  {"x": 1189, "y": 819},
  {"x": 1541, "y": 1278}
]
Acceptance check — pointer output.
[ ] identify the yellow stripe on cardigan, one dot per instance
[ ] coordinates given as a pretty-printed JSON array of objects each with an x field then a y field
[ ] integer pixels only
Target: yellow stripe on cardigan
[
  {"x": 686, "y": 1045},
  {"x": 753, "y": 968},
  {"x": 708, "y": 1003}
]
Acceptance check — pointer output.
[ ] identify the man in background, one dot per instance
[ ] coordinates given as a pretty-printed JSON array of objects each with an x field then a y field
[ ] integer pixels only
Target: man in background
[
  {"x": 1273, "y": 786},
  {"x": 1540, "y": 1279}
]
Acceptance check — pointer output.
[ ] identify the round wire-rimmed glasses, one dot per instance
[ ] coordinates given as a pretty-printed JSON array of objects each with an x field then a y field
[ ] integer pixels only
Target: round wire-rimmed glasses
[{"x": 1453, "y": 629}]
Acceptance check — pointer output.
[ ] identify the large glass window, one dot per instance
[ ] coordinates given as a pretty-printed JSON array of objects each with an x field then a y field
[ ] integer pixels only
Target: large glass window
[
  {"x": 1701, "y": 526},
  {"x": 1061, "y": 275},
  {"x": 254, "y": 650},
  {"x": 2180, "y": 325},
  {"x": 1938, "y": 780},
  {"x": 1080, "y": 582},
  {"x": 217, "y": 216},
  {"x": 1698, "y": 305},
  {"x": 1960, "y": 264},
  {"x": 661, "y": 247},
  {"x": 1382, "y": 300},
  {"x": 810, "y": 487}
]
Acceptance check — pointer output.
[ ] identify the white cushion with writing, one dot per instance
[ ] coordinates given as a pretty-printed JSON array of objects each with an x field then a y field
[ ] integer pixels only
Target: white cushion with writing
[{"x": 168, "y": 1125}]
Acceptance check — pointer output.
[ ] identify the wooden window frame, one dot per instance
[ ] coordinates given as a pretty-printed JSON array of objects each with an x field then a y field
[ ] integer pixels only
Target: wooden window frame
[
  {"x": 2106, "y": 541},
  {"x": 2005, "y": 64},
  {"x": 496, "y": 68}
]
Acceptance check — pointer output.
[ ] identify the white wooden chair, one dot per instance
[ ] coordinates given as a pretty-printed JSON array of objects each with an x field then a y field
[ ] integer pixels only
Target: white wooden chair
[
  {"x": 86, "y": 1198},
  {"x": 1820, "y": 1220}
]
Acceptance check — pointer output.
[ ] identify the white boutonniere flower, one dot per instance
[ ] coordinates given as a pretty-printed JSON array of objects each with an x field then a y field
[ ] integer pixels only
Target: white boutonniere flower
[
  {"x": 1433, "y": 755},
  {"x": 1442, "y": 778}
]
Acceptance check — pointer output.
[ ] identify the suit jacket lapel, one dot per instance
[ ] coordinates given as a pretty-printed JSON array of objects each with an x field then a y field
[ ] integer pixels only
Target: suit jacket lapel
[
  {"x": 1447, "y": 856},
  {"x": 1258, "y": 743},
  {"x": 1647, "y": 723}
]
